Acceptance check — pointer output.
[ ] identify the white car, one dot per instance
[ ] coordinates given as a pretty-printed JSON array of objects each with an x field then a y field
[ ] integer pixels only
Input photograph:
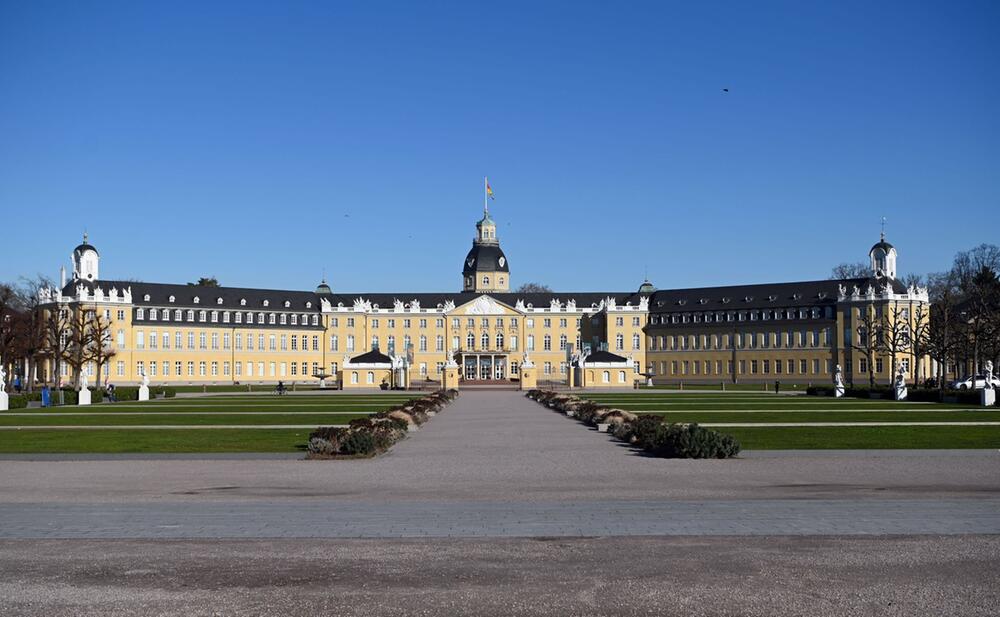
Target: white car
[{"x": 980, "y": 383}]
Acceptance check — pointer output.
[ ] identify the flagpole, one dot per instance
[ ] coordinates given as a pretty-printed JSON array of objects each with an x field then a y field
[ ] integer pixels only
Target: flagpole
[{"x": 486, "y": 195}]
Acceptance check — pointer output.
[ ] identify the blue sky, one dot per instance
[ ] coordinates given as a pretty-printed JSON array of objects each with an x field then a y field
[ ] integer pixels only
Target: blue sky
[{"x": 262, "y": 142}]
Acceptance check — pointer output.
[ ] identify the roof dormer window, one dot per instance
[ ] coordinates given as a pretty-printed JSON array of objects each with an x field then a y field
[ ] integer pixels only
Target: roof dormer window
[
  {"x": 243, "y": 301},
  {"x": 197, "y": 300},
  {"x": 171, "y": 298},
  {"x": 218, "y": 300},
  {"x": 267, "y": 302},
  {"x": 146, "y": 298},
  {"x": 287, "y": 304}
]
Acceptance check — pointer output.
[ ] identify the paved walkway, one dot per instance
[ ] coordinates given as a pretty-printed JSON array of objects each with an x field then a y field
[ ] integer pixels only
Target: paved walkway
[{"x": 498, "y": 464}]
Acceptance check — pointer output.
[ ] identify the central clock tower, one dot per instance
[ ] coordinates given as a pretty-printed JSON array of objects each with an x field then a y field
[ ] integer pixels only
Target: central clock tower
[{"x": 486, "y": 268}]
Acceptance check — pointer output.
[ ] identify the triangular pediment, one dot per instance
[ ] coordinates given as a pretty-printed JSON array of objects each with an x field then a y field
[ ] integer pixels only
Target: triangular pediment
[{"x": 484, "y": 305}]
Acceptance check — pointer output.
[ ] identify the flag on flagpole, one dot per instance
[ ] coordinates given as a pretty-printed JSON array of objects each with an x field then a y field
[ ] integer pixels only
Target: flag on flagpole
[{"x": 489, "y": 191}]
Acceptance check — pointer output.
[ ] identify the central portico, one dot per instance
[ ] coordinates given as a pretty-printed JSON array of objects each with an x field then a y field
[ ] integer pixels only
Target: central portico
[{"x": 491, "y": 338}]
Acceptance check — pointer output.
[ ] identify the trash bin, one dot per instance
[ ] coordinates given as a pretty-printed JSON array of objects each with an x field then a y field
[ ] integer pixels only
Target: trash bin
[{"x": 46, "y": 397}]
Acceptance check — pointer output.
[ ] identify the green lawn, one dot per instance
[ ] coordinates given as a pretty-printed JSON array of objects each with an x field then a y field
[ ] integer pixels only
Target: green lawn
[
  {"x": 836, "y": 416},
  {"x": 876, "y": 437},
  {"x": 124, "y": 440},
  {"x": 748, "y": 407},
  {"x": 177, "y": 419},
  {"x": 248, "y": 410}
]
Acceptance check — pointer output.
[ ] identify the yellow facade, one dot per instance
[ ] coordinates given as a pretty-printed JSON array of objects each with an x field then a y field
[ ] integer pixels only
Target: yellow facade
[{"x": 180, "y": 334}]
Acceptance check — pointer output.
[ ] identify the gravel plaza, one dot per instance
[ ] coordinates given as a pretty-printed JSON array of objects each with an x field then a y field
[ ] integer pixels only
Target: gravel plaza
[{"x": 495, "y": 483}]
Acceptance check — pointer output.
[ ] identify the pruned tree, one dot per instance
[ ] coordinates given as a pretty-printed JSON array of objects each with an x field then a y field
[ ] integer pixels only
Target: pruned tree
[
  {"x": 79, "y": 340},
  {"x": 850, "y": 271},
  {"x": 868, "y": 337},
  {"x": 919, "y": 335},
  {"x": 896, "y": 337},
  {"x": 55, "y": 323},
  {"x": 101, "y": 350}
]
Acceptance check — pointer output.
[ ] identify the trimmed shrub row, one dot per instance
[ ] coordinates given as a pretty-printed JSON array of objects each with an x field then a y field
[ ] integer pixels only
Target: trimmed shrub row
[
  {"x": 378, "y": 432},
  {"x": 649, "y": 432}
]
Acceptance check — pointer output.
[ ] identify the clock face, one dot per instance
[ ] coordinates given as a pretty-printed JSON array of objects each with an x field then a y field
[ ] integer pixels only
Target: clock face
[{"x": 502, "y": 261}]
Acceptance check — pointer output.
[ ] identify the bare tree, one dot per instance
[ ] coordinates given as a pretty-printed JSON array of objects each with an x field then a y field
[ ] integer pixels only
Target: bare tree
[
  {"x": 850, "y": 271},
  {"x": 33, "y": 336},
  {"x": 919, "y": 336},
  {"x": 868, "y": 339},
  {"x": 79, "y": 340},
  {"x": 56, "y": 324},
  {"x": 943, "y": 335},
  {"x": 206, "y": 281},
  {"x": 896, "y": 332},
  {"x": 11, "y": 321},
  {"x": 100, "y": 350},
  {"x": 528, "y": 288}
]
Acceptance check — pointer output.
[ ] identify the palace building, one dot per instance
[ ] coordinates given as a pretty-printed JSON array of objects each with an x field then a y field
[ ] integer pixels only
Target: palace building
[{"x": 189, "y": 334}]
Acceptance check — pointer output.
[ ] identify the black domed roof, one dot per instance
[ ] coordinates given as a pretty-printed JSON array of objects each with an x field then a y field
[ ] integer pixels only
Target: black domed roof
[
  {"x": 86, "y": 246},
  {"x": 881, "y": 244},
  {"x": 323, "y": 288},
  {"x": 485, "y": 258},
  {"x": 885, "y": 246}
]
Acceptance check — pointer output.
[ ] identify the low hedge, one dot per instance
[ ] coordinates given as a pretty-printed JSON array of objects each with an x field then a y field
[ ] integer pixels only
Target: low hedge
[
  {"x": 17, "y": 401},
  {"x": 377, "y": 432},
  {"x": 689, "y": 441},
  {"x": 646, "y": 431}
]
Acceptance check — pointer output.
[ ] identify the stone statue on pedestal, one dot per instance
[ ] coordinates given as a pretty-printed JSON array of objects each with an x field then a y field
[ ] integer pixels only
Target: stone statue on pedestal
[
  {"x": 900, "y": 384},
  {"x": 838, "y": 383},
  {"x": 3, "y": 379},
  {"x": 987, "y": 373},
  {"x": 144, "y": 388}
]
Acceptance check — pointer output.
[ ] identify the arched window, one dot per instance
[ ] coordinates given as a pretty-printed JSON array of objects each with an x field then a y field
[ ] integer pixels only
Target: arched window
[
  {"x": 621, "y": 376},
  {"x": 547, "y": 343},
  {"x": 500, "y": 341},
  {"x": 470, "y": 341},
  {"x": 635, "y": 341},
  {"x": 423, "y": 343},
  {"x": 354, "y": 377},
  {"x": 391, "y": 342},
  {"x": 619, "y": 342},
  {"x": 370, "y": 378},
  {"x": 486, "y": 281},
  {"x": 562, "y": 342},
  {"x": 500, "y": 281},
  {"x": 375, "y": 342},
  {"x": 485, "y": 339},
  {"x": 606, "y": 376}
]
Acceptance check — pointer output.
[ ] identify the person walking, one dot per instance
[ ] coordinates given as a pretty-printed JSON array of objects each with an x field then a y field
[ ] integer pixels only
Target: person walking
[{"x": 110, "y": 389}]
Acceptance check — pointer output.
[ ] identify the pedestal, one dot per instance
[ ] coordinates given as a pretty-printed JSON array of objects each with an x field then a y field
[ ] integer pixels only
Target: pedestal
[
  {"x": 4, "y": 402},
  {"x": 838, "y": 391},
  {"x": 143, "y": 393},
  {"x": 83, "y": 397},
  {"x": 528, "y": 378},
  {"x": 901, "y": 394},
  {"x": 986, "y": 397},
  {"x": 449, "y": 378}
]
